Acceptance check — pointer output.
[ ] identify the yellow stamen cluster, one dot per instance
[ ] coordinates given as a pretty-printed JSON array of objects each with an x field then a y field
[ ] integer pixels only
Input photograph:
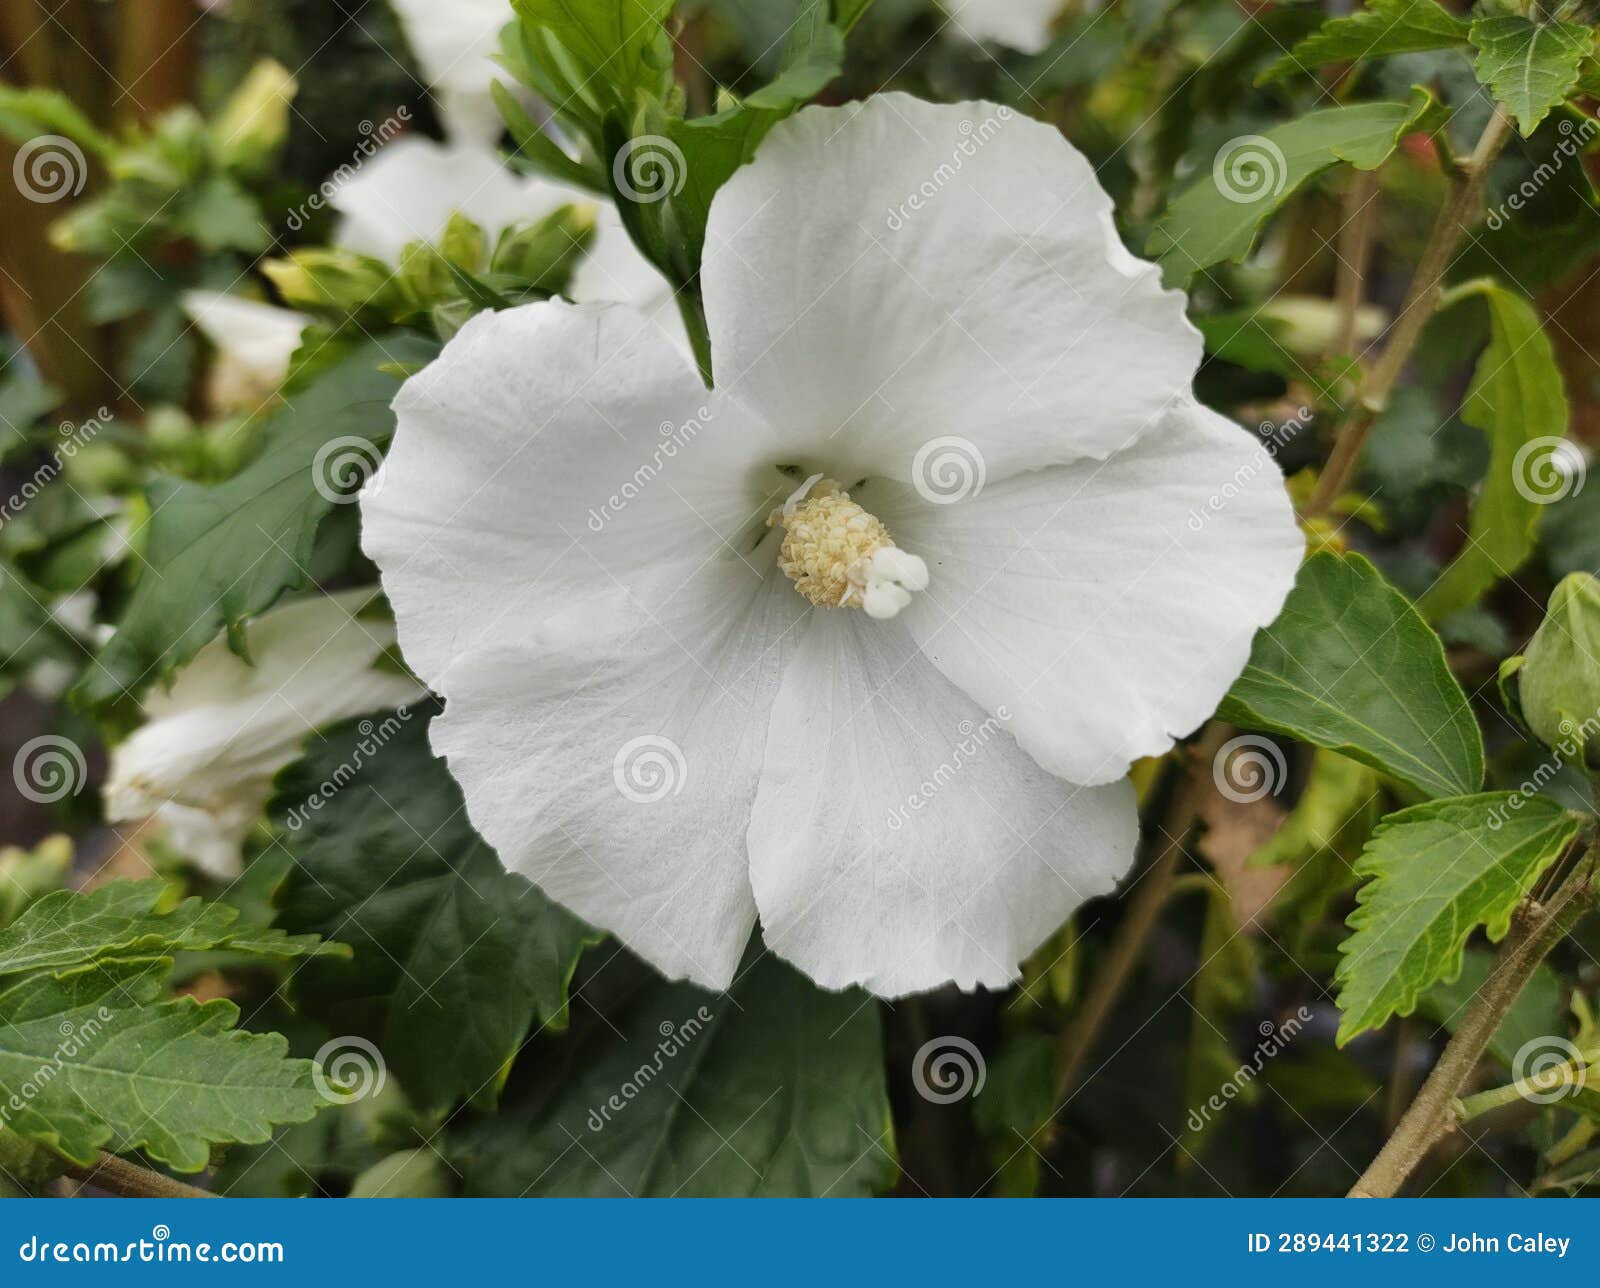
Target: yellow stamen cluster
[{"x": 828, "y": 541}]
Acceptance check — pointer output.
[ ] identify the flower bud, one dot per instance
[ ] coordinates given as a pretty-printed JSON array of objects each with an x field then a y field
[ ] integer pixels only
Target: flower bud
[
  {"x": 1559, "y": 680},
  {"x": 255, "y": 122}
]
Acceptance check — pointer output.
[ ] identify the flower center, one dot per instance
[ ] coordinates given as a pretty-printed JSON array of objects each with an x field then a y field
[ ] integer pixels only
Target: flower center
[{"x": 839, "y": 556}]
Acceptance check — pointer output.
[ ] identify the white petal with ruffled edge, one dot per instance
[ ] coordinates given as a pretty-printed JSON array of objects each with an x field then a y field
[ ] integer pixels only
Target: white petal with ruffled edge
[
  {"x": 616, "y": 768},
  {"x": 261, "y": 338},
  {"x": 1109, "y": 605},
  {"x": 455, "y": 42},
  {"x": 213, "y": 741},
  {"x": 553, "y": 455},
  {"x": 411, "y": 188},
  {"x": 1002, "y": 310},
  {"x": 901, "y": 839}
]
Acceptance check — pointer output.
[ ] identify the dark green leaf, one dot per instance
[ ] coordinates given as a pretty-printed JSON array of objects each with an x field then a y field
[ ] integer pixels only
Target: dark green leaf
[
  {"x": 775, "y": 1088},
  {"x": 455, "y": 958},
  {"x": 1350, "y": 666}
]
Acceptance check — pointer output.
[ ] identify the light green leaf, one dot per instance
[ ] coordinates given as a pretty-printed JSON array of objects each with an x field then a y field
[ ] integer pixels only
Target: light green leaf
[
  {"x": 1529, "y": 66},
  {"x": 1218, "y": 217},
  {"x": 217, "y": 555},
  {"x": 94, "y": 1059},
  {"x": 611, "y": 52},
  {"x": 1350, "y": 666},
  {"x": 121, "y": 919},
  {"x": 1518, "y": 400},
  {"x": 455, "y": 958},
  {"x": 776, "y": 1088},
  {"x": 1381, "y": 28},
  {"x": 27, "y": 113},
  {"x": 1435, "y": 873}
]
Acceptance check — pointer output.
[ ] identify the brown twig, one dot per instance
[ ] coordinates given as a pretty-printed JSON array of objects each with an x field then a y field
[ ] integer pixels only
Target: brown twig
[
  {"x": 119, "y": 1176},
  {"x": 1459, "y": 212}
]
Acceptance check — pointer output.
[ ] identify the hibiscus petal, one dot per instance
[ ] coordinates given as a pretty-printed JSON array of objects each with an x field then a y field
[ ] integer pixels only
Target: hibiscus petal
[
  {"x": 411, "y": 188},
  {"x": 551, "y": 454},
  {"x": 616, "y": 770},
  {"x": 1108, "y": 605},
  {"x": 894, "y": 272},
  {"x": 901, "y": 839}
]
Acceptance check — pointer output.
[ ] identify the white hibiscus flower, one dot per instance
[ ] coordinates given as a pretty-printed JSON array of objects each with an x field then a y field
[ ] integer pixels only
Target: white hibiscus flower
[
  {"x": 1023, "y": 25},
  {"x": 204, "y": 759},
  {"x": 411, "y": 188},
  {"x": 769, "y": 651},
  {"x": 454, "y": 42},
  {"x": 254, "y": 343}
]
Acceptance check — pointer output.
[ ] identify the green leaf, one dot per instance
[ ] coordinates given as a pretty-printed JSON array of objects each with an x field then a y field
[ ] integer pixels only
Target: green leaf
[
  {"x": 94, "y": 1059},
  {"x": 1340, "y": 796},
  {"x": 29, "y": 633},
  {"x": 27, "y": 113},
  {"x": 120, "y": 919},
  {"x": 1224, "y": 987},
  {"x": 1350, "y": 666},
  {"x": 1517, "y": 399},
  {"x": 1218, "y": 217},
  {"x": 217, "y": 555},
  {"x": 455, "y": 958},
  {"x": 1383, "y": 27},
  {"x": 775, "y": 1088},
  {"x": 1436, "y": 872},
  {"x": 1529, "y": 66}
]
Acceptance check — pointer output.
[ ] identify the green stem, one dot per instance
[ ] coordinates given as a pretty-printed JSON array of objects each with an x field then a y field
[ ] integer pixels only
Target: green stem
[{"x": 1535, "y": 930}]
